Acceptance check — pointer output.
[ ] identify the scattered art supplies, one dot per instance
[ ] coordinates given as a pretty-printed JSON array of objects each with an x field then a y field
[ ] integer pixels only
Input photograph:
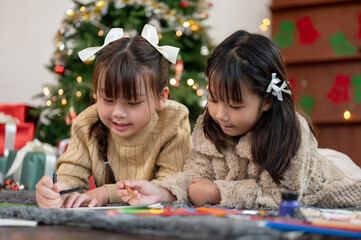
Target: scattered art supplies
[{"x": 336, "y": 222}]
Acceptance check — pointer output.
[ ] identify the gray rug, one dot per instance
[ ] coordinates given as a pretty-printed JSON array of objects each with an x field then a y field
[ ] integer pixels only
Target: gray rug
[{"x": 177, "y": 227}]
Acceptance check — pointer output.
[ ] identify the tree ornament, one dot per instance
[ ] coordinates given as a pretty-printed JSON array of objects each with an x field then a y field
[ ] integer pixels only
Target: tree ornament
[
  {"x": 184, "y": 4},
  {"x": 204, "y": 50},
  {"x": 70, "y": 116},
  {"x": 339, "y": 90},
  {"x": 59, "y": 69},
  {"x": 178, "y": 69},
  {"x": 8, "y": 182},
  {"x": 308, "y": 34}
]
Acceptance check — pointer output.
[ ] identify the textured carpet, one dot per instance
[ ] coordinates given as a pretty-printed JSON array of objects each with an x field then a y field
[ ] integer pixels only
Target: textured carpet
[{"x": 177, "y": 227}]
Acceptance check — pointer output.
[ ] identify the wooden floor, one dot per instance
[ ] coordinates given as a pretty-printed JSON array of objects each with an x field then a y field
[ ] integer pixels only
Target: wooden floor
[{"x": 51, "y": 232}]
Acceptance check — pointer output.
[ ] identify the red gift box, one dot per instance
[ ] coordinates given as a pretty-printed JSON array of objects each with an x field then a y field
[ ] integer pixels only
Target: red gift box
[
  {"x": 19, "y": 111},
  {"x": 24, "y": 133},
  {"x": 62, "y": 146}
]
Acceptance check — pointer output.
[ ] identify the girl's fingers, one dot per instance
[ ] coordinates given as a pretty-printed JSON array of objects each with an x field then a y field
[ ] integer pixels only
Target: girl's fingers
[
  {"x": 81, "y": 200},
  {"x": 69, "y": 201},
  {"x": 93, "y": 203}
]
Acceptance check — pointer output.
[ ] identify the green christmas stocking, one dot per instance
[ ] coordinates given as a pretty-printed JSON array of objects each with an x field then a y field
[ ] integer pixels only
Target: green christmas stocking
[
  {"x": 284, "y": 36},
  {"x": 340, "y": 44}
]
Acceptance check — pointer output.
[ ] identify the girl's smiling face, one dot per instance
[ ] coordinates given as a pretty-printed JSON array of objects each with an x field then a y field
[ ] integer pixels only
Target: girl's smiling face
[{"x": 128, "y": 116}]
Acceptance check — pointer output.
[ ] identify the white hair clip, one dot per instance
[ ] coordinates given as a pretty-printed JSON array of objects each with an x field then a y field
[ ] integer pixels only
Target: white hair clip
[
  {"x": 113, "y": 35},
  {"x": 277, "y": 91},
  {"x": 150, "y": 34}
]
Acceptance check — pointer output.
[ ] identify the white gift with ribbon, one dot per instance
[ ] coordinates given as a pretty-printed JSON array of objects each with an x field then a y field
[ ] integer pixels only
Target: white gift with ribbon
[
  {"x": 10, "y": 131},
  {"x": 38, "y": 147}
]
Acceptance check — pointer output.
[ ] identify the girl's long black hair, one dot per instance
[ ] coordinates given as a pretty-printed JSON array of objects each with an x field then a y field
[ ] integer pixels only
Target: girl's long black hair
[{"x": 247, "y": 61}]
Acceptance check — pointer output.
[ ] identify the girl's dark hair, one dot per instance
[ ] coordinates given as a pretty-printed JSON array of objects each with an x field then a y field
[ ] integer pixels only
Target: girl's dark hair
[
  {"x": 247, "y": 61},
  {"x": 119, "y": 69}
]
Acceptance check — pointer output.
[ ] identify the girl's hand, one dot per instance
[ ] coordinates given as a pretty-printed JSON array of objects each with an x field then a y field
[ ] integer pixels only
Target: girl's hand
[
  {"x": 47, "y": 193},
  {"x": 93, "y": 198},
  {"x": 146, "y": 192},
  {"x": 203, "y": 191}
]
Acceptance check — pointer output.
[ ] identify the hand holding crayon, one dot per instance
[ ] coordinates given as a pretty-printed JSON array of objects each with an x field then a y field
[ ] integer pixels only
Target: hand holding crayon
[{"x": 69, "y": 190}]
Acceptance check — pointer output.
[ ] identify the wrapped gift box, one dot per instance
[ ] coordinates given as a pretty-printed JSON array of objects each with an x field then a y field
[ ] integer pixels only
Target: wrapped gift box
[
  {"x": 24, "y": 133},
  {"x": 34, "y": 167},
  {"x": 3, "y": 161},
  {"x": 19, "y": 111}
]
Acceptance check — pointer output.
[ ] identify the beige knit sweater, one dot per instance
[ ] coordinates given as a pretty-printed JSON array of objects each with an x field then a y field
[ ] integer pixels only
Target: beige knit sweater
[
  {"x": 153, "y": 153},
  {"x": 317, "y": 180}
]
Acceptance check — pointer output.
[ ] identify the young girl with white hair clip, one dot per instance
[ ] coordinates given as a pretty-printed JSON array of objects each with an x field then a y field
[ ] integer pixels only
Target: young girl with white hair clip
[
  {"x": 253, "y": 143},
  {"x": 132, "y": 132}
]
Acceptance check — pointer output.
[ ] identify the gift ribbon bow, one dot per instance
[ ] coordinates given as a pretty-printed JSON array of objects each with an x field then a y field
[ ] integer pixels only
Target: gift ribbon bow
[
  {"x": 10, "y": 131},
  {"x": 277, "y": 91},
  {"x": 113, "y": 35},
  {"x": 149, "y": 33},
  {"x": 34, "y": 146}
]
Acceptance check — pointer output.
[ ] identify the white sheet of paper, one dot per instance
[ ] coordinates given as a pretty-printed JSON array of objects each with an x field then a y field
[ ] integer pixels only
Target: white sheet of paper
[
  {"x": 6, "y": 222},
  {"x": 156, "y": 205}
]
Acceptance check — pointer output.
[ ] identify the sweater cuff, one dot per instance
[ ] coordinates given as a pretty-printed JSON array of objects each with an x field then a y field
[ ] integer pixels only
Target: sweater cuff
[
  {"x": 178, "y": 186},
  {"x": 113, "y": 197},
  {"x": 237, "y": 195}
]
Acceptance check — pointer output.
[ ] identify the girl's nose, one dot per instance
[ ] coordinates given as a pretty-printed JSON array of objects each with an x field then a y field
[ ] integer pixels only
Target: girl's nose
[
  {"x": 222, "y": 113},
  {"x": 119, "y": 111}
]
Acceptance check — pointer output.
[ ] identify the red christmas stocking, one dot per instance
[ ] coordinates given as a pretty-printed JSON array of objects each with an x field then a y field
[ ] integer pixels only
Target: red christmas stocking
[
  {"x": 339, "y": 92},
  {"x": 308, "y": 33}
]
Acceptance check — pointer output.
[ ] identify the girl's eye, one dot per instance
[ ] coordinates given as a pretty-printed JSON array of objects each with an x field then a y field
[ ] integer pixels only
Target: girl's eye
[
  {"x": 108, "y": 100},
  {"x": 134, "y": 103},
  {"x": 234, "y": 107},
  {"x": 212, "y": 100}
]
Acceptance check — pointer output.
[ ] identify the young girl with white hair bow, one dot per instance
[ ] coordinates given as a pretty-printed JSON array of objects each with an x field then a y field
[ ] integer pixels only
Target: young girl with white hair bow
[
  {"x": 132, "y": 132},
  {"x": 252, "y": 143}
]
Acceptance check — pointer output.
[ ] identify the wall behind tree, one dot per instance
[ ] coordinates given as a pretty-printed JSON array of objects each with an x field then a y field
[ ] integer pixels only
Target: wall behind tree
[{"x": 28, "y": 29}]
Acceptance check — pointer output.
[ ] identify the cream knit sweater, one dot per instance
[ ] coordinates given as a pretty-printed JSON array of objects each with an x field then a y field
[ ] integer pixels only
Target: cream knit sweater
[
  {"x": 317, "y": 180},
  {"x": 155, "y": 152}
]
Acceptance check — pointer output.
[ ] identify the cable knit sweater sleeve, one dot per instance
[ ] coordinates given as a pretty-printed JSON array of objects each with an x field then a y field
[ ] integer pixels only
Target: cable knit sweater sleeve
[
  {"x": 74, "y": 166},
  {"x": 197, "y": 165}
]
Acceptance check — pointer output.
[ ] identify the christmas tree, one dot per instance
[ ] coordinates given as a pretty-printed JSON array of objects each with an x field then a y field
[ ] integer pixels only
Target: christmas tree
[{"x": 178, "y": 23}]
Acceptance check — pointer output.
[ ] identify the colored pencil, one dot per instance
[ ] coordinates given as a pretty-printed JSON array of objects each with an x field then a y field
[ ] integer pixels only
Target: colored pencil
[
  {"x": 129, "y": 190},
  {"x": 71, "y": 190},
  {"x": 307, "y": 227}
]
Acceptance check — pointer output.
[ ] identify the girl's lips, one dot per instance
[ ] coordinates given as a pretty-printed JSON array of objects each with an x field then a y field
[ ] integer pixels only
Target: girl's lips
[
  {"x": 226, "y": 127},
  {"x": 120, "y": 126}
]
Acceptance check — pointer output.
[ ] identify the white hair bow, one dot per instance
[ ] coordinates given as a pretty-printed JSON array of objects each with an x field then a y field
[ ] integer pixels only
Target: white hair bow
[
  {"x": 113, "y": 34},
  {"x": 150, "y": 34},
  {"x": 277, "y": 91}
]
